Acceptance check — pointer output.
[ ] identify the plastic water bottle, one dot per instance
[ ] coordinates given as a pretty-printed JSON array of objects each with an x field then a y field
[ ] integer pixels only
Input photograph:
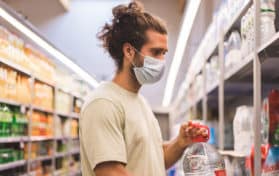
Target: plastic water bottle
[{"x": 203, "y": 159}]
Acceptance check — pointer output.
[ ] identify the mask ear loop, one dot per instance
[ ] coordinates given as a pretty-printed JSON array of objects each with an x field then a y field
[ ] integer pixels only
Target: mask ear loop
[{"x": 137, "y": 51}]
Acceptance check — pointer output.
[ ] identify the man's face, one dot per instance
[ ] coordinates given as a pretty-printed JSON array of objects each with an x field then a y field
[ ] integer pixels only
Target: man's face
[{"x": 156, "y": 46}]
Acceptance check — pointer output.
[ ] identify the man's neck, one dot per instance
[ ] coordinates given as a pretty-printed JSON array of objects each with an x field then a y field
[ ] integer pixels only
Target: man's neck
[{"x": 126, "y": 81}]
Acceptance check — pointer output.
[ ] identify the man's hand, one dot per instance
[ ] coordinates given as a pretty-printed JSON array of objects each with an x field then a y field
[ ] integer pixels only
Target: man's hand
[
  {"x": 188, "y": 132},
  {"x": 174, "y": 149}
]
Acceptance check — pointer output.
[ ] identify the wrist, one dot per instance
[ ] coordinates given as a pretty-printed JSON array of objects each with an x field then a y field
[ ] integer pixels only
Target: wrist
[{"x": 181, "y": 144}]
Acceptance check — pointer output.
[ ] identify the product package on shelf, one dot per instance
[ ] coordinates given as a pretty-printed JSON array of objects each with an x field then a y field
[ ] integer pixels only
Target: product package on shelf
[
  {"x": 40, "y": 65},
  {"x": 14, "y": 86},
  {"x": 43, "y": 96},
  {"x": 74, "y": 129},
  {"x": 273, "y": 113},
  {"x": 212, "y": 72},
  {"x": 58, "y": 127},
  {"x": 267, "y": 26},
  {"x": 63, "y": 102},
  {"x": 9, "y": 153},
  {"x": 62, "y": 146},
  {"x": 77, "y": 87},
  {"x": 62, "y": 166},
  {"x": 77, "y": 105},
  {"x": 12, "y": 122},
  {"x": 42, "y": 124},
  {"x": 233, "y": 50},
  {"x": 39, "y": 168},
  {"x": 65, "y": 128},
  {"x": 12, "y": 47},
  {"x": 39, "y": 149},
  {"x": 243, "y": 129},
  {"x": 271, "y": 164},
  {"x": 74, "y": 165},
  {"x": 15, "y": 50}
]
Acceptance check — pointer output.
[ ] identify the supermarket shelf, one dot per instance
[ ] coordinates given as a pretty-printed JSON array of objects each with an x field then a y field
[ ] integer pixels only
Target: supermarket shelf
[
  {"x": 62, "y": 138},
  {"x": 41, "y": 158},
  {"x": 195, "y": 68},
  {"x": 272, "y": 41},
  {"x": 61, "y": 154},
  {"x": 238, "y": 16},
  {"x": 22, "y": 70},
  {"x": 237, "y": 70},
  {"x": 75, "y": 173},
  {"x": 212, "y": 87},
  {"x": 231, "y": 153},
  {"x": 11, "y": 102},
  {"x": 59, "y": 173},
  {"x": 41, "y": 138},
  {"x": 69, "y": 92},
  {"x": 13, "y": 139},
  {"x": 66, "y": 138},
  {"x": 12, "y": 165},
  {"x": 74, "y": 151},
  {"x": 37, "y": 108},
  {"x": 194, "y": 102},
  {"x": 239, "y": 66},
  {"x": 45, "y": 82},
  {"x": 14, "y": 66},
  {"x": 63, "y": 114},
  {"x": 70, "y": 115},
  {"x": 75, "y": 115}
]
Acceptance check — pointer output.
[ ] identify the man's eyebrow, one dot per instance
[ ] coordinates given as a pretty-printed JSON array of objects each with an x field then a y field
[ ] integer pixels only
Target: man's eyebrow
[{"x": 159, "y": 49}]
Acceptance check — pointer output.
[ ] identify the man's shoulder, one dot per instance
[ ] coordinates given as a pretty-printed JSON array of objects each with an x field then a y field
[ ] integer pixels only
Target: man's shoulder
[{"x": 103, "y": 92}]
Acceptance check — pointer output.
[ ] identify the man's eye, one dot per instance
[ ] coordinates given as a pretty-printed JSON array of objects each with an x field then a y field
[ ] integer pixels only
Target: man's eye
[{"x": 156, "y": 53}]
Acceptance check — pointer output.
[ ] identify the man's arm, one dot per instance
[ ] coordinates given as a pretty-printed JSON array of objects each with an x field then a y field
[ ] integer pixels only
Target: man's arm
[
  {"x": 172, "y": 152},
  {"x": 111, "y": 169},
  {"x": 174, "y": 149}
]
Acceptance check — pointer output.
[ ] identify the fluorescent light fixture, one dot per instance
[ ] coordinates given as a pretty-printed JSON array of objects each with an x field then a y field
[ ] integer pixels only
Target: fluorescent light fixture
[
  {"x": 188, "y": 20},
  {"x": 50, "y": 49}
]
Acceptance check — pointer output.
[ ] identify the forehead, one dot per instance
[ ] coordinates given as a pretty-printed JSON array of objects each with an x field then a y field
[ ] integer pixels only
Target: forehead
[{"x": 155, "y": 39}]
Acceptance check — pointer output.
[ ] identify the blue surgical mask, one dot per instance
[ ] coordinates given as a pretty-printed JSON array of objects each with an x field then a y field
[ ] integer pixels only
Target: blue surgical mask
[{"x": 151, "y": 71}]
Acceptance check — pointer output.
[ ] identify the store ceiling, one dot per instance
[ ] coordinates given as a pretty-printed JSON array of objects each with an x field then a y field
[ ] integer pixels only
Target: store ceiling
[{"x": 73, "y": 32}]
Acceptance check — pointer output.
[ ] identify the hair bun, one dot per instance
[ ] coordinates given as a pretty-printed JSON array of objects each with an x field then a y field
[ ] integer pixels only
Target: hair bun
[
  {"x": 133, "y": 7},
  {"x": 136, "y": 6}
]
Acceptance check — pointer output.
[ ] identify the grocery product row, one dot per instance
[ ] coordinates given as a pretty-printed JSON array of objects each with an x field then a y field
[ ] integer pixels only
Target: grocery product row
[
  {"x": 14, "y": 123},
  {"x": 240, "y": 42},
  {"x": 40, "y": 103},
  {"x": 235, "y": 89}
]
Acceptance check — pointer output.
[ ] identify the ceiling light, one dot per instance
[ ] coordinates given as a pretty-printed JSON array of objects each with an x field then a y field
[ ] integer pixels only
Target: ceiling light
[{"x": 188, "y": 20}]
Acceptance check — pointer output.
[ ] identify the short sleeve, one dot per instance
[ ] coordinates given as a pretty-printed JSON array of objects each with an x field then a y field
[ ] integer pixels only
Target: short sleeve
[{"x": 102, "y": 132}]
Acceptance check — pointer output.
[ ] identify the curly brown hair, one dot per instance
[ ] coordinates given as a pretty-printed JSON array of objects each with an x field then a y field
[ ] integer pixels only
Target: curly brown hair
[{"x": 129, "y": 25}]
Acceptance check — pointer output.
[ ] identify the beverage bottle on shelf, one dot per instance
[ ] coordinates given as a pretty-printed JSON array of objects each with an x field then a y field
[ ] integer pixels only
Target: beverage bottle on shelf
[
  {"x": 203, "y": 159},
  {"x": 273, "y": 112},
  {"x": 243, "y": 129},
  {"x": 271, "y": 164},
  {"x": 7, "y": 120},
  {"x": 15, "y": 125},
  {"x": 1, "y": 121}
]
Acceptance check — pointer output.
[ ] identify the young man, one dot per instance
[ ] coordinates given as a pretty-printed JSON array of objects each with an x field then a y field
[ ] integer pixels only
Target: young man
[{"x": 119, "y": 134}]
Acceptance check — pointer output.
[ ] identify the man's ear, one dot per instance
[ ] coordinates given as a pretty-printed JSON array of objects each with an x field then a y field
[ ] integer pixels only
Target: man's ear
[{"x": 128, "y": 51}]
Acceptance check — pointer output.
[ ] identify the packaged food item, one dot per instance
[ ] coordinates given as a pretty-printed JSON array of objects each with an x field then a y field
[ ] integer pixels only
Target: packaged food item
[
  {"x": 249, "y": 163},
  {"x": 63, "y": 102},
  {"x": 271, "y": 164},
  {"x": 43, "y": 96},
  {"x": 243, "y": 129},
  {"x": 273, "y": 102},
  {"x": 42, "y": 124}
]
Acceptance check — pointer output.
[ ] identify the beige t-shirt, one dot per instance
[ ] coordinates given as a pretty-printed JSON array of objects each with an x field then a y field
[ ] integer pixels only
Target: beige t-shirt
[{"x": 118, "y": 125}]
